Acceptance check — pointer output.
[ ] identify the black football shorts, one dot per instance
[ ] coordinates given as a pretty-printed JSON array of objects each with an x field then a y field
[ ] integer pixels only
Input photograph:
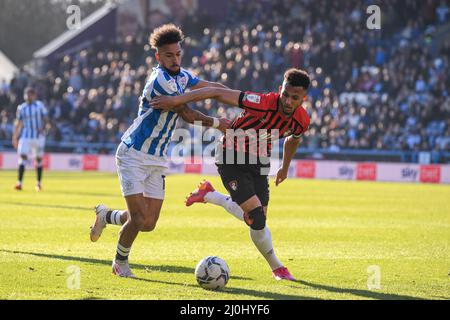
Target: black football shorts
[{"x": 243, "y": 181}]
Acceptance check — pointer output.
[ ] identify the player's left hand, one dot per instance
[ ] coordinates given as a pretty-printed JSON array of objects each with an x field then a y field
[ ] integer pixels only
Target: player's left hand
[
  {"x": 15, "y": 142},
  {"x": 281, "y": 176},
  {"x": 163, "y": 103}
]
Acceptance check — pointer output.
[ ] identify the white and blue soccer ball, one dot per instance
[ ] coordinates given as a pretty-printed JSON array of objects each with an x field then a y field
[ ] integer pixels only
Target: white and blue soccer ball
[{"x": 212, "y": 273}]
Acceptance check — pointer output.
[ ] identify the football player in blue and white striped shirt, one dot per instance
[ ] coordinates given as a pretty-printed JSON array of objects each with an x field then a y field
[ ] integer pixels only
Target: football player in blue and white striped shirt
[
  {"x": 29, "y": 134},
  {"x": 141, "y": 157}
]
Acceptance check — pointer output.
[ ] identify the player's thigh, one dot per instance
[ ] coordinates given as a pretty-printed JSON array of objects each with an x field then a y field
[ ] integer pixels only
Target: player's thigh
[
  {"x": 153, "y": 209},
  {"x": 154, "y": 193},
  {"x": 238, "y": 182},
  {"x": 137, "y": 207},
  {"x": 250, "y": 204},
  {"x": 23, "y": 148},
  {"x": 261, "y": 184},
  {"x": 38, "y": 148},
  {"x": 34, "y": 148}
]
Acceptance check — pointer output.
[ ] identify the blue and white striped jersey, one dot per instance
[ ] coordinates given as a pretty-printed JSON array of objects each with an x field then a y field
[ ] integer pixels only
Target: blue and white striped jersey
[
  {"x": 32, "y": 116},
  {"x": 152, "y": 130}
]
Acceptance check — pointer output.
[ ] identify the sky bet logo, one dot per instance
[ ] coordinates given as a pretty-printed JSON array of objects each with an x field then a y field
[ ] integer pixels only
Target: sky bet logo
[
  {"x": 346, "y": 171},
  {"x": 409, "y": 173},
  {"x": 74, "y": 163}
]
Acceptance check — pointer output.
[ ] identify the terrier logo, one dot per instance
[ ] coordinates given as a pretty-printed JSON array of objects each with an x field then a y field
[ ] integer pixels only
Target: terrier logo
[
  {"x": 183, "y": 82},
  {"x": 173, "y": 85}
]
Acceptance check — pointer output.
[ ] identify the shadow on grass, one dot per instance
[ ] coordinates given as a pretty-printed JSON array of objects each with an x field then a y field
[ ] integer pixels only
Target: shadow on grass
[
  {"x": 88, "y": 194},
  {"x": 228, "y": 290},
  {"x": 92, "y": 298},
  {"x": 157, "y": 268},
  {"x": 237, "y": 291},
  {"x": 358, "y": 292},
  {"x": 51, "y": 206}
]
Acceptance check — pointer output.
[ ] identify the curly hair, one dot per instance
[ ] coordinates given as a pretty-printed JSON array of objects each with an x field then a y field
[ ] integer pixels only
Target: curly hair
[
  {"x": 297, "y": 78},
  {"x": 166, "y": 34}
]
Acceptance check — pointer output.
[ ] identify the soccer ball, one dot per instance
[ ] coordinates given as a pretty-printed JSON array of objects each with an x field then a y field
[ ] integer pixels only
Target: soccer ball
[{"x": 212, "y": 273}]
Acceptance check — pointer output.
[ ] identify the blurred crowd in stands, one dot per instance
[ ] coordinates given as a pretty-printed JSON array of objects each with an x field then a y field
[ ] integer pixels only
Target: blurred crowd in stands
[{"x": 382, "y": 89}]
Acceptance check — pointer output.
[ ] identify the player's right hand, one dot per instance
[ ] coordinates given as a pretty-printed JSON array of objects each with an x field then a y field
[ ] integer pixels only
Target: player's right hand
[
  {"x": 224, "y": 124},
  {"x": 281, "y": 176}
]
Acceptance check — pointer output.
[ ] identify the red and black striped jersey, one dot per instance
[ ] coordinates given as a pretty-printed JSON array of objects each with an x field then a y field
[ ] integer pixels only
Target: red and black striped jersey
[{"x": 262, "y": 119}]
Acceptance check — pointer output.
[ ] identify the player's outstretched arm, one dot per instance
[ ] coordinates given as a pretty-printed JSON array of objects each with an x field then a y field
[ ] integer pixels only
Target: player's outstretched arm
[
  {"x": 193, "y": 116},
  {"x": 227, "y": 96},
  {"x": 204, "y": 84},
  {"x": 289, "y": 149}
]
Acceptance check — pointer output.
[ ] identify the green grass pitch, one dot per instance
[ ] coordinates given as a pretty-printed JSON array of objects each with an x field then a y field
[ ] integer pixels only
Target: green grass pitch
[{"x": 328, "y": 233}]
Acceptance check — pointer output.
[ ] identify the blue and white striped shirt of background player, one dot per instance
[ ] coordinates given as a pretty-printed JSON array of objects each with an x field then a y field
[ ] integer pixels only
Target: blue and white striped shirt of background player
[
  {"x": 32, "y": 116},
  {"x": 152, "y": 130}
]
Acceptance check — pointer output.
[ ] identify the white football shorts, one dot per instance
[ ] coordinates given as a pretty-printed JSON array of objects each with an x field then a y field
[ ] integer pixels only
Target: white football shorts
[
  {"x": 35, "y": 146},
  {"x": 137, "y": 177}
]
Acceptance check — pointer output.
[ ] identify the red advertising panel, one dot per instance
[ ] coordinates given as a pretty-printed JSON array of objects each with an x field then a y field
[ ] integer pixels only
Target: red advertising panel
[
  {"x": 430, "y": 174},
  {"x": 366, "y": 171},
  {"x": 90, "y": 162},
  {"x": 306, "y": 169},
  {"x": 193, "y": 165}
]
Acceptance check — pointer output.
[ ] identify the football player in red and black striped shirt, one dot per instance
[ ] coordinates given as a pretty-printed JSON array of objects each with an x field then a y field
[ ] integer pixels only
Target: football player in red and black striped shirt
[{"x": 246, "y": 151}]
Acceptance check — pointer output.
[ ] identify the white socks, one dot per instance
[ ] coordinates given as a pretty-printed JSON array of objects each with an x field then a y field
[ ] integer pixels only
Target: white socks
[
  {"x": 122, "y": 253},
  {"x": 113, "y": 217},
  {"x": 226, "y": 202},
  {"x": 263, "y": 241},
  {"x": 261, "y": 238}
]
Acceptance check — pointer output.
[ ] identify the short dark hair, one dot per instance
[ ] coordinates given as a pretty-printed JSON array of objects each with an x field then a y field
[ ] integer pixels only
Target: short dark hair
[
  {"x": 297, "y": 78},
  {"x": 166, "y": 34},
  {"x": 29, "y": 89}
]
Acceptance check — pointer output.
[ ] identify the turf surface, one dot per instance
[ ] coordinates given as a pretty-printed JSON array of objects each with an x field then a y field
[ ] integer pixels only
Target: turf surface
[{"x": 332, "y": 235}]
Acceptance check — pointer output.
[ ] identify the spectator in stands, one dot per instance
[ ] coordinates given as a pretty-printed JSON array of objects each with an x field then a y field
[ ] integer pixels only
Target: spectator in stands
[{"x": 398, "y": 83}]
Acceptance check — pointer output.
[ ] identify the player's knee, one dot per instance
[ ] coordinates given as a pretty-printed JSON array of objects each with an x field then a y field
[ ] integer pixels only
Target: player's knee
[
  {"x": 22, "y": 160},
  {"x": 149, "y": 226},
  {"x": 256, "y": 219},
  {"x": 137, "y": 220}
]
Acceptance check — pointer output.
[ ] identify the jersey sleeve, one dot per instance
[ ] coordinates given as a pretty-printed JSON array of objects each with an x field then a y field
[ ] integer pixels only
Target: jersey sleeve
[
  {"x": 254, "y": 101},
  {"x": 192, "y": 79},
  {"x": 160, "y": 84},
  {"x": 302, "y": 125},
  {"x": 19, "y": 113},
  {"x": 43, "y": 109}
]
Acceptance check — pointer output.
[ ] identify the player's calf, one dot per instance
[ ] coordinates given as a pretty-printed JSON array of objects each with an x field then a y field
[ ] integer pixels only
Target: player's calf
[
  {"x": 20, "y": 171},
  {"x": 39, "y": 168}
]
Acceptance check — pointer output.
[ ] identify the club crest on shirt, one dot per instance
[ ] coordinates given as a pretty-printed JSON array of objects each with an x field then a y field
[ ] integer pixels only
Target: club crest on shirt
[
  {"x": 233, "y": 185},
  {"x": 183, "y": 82},
  {"x": 172, "y": 85},
  {"x": 254, "y": 98}
]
